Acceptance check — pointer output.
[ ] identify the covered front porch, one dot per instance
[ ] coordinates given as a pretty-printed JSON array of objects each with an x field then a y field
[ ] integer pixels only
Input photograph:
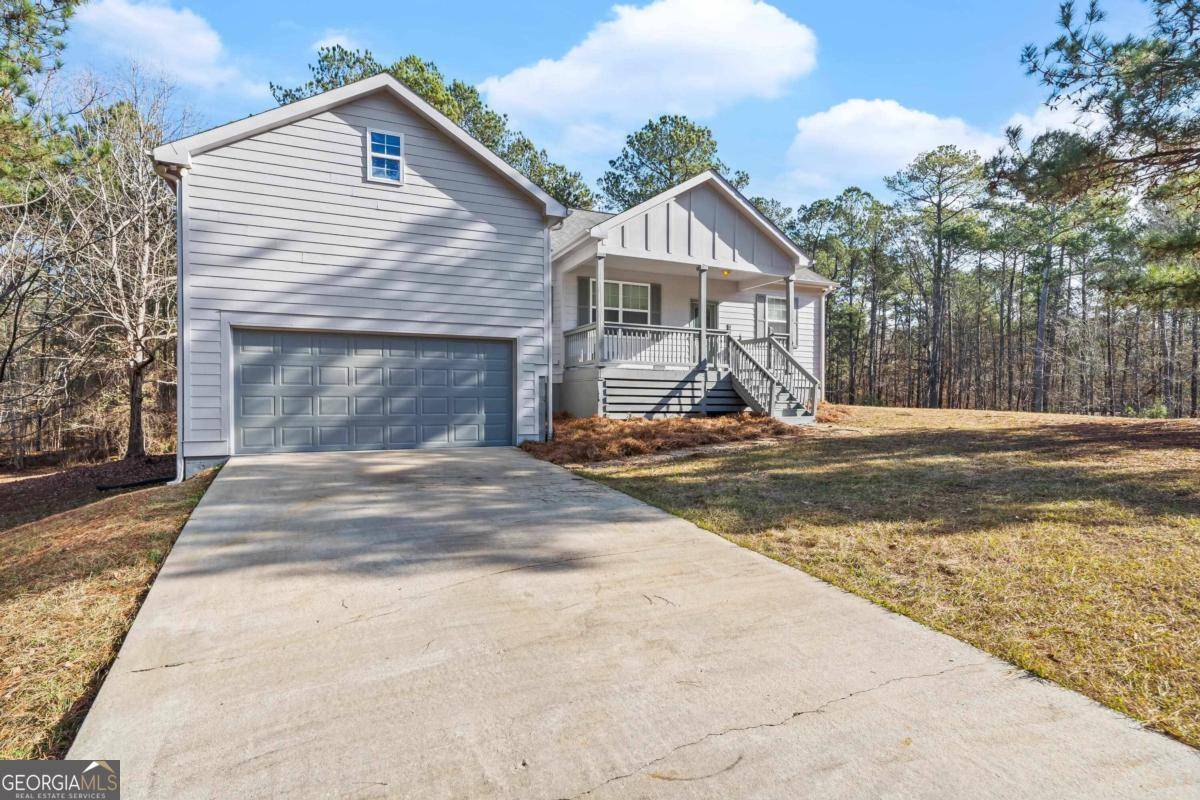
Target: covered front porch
[
  {"x": 692, "y": 293},
  {"x": 705, "y": 365}
]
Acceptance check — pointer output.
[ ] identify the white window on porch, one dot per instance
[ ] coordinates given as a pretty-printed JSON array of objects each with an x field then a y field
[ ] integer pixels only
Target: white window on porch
[
  {"x": 776, "y": 315},
  {"x": 623, "y": 302}
]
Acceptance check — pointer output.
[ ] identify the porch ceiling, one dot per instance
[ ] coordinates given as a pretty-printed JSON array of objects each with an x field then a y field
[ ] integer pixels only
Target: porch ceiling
[{"x": 745, "y": 279}]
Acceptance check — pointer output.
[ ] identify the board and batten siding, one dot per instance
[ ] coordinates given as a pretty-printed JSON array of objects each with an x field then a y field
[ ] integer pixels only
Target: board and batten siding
[
  {"x": 700, "y": 226},
  {"x": 282, "y": 229}
]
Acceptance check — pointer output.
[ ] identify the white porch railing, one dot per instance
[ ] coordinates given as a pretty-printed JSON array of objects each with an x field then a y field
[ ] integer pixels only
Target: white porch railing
[
  {"x": 772, "y": 353},
  {"x": 754, "y": 381},
  {"x": 581, "y": 346},
  {"x": 626, "y": 343}
]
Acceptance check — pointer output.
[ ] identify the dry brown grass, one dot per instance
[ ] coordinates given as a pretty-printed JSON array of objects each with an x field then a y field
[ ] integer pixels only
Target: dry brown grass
[
  {"x": 70, "y": 585},
  {"x": 1067, "y": 545},
  {"x": 592, "y": 439}
]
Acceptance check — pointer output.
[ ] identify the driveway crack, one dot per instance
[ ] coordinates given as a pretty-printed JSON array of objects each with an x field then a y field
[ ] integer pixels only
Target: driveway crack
[{"x": 773, "y": 724}]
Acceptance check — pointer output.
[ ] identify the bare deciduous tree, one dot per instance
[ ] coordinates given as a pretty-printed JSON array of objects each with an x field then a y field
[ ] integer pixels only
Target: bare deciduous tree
[{"x": 121, "y": 214}]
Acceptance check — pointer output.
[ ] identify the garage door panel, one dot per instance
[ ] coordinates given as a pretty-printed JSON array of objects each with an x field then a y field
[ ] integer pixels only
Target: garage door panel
[
  {"x": 368, "y": 346},
  {"x": 368, "y": 376},
  {"x": 334, "y": 406},
  {"x": 295, "y": 375},
  {"x": 467, "y": 433},
  {"x": 433, "y": 377},
  {"x": 333, "y": 345},
  {"x": 295, "y": 344},
  {"x": 296, "y": 436},
  {"x": 296, "y": 406},
  {"x": 367, "y": 406},
  {"x": 402, "y": 406},
  {"x": 402, "y": 347},
  {"x": 368, "y": 435},
  {"x": 258, "y": 437},
  {"x": 402, "y": 376},
  {"x": 258, "y": 375},
  {"x": 402, "y": 435},
  {"x": 313, "y": 391},
  {"x": 435, "y": 434},
  {"x": 254, "y": 406}
]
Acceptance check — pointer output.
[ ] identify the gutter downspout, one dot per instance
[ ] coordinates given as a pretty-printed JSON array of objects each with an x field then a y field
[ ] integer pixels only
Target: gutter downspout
[
  {"x": 824, "y": 305},
  {"x": 174, "y": 176},
  {"x": 548, "y": 296}
]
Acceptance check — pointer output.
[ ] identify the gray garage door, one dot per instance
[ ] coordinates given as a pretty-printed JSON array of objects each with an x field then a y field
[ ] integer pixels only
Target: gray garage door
[{"x": 311, "y": 391}]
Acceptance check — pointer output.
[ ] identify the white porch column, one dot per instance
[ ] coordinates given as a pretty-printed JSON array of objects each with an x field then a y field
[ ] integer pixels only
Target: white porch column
[
  {"x": 702, "y": 315},
  {"x": 790, "y": 284},
  {"x": 600, "y": 349}
]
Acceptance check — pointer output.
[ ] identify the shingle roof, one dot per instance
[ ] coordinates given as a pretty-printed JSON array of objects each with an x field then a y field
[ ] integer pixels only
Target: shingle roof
[
  {"x": 578, "y": 220},
  {"x": 806, "y": 275}
]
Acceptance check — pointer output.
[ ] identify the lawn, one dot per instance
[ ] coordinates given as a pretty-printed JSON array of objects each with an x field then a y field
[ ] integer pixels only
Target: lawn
[
  {"x": 70, "y": 585},
  {"x": 1067, "y": 545}
]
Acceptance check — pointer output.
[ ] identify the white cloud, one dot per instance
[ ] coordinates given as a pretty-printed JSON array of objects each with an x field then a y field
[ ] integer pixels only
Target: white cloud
[
  {"x": 671, "y": 56},
  {"x": 178, "y": 42},
  {"x": 860, "y": 141},
  {"x": 1046, "y": 118},
  {"x": 336, "y": 36}
]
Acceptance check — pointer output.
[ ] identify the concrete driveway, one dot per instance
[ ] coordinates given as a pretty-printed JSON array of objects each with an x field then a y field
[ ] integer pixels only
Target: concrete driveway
[{"x": 480, "y": 624}]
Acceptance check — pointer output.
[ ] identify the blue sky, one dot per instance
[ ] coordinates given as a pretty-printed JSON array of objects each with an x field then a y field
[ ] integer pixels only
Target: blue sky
[{"x": 806, "y": 97}]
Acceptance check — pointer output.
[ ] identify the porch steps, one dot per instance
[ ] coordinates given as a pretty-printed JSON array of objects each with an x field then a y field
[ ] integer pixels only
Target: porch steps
[
  {"x": 764, "y": 385},
  {"x": 793, "y": 413},
  {"x": 785, "y": 408}
]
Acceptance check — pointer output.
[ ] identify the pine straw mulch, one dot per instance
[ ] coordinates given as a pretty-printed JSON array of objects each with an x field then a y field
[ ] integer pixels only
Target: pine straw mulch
[
  {"x": 37, "y": 493},
  {"x": 70, "y": 586},
  {"x": 594, "y": 439}
]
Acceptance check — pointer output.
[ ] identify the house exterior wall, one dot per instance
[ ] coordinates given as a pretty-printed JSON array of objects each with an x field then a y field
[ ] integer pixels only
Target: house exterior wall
[
  {"x": 700, "y": 226},
  {"x": 735, "y": 308},
  {"x": 282, "y": 230}
]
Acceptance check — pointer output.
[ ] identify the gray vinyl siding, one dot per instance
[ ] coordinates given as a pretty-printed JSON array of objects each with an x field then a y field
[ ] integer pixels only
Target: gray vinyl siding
[
  {"x": 283, "y": 226},
  {"x": 738, "y": 313}
]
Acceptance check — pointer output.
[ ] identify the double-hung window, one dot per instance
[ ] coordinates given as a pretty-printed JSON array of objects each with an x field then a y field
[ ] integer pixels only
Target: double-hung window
[
  {"x": 777, "y": 315},
  {"x": 385, "y": 156},
  {"x": 623, "y": 302}
]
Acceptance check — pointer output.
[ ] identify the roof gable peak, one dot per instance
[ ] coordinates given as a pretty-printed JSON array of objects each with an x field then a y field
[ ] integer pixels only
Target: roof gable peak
[
  {"x": 179, "y": 153},
  {"x": 727, "y": 189}
]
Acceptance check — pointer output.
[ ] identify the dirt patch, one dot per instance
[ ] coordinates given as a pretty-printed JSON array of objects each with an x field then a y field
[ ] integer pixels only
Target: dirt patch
[
  {"x": 26, "y": 498},
  {"x": 595, "y": 439}
]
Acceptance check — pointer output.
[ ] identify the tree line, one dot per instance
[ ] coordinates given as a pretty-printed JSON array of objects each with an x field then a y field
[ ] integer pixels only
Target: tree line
[
  {"x": 87, "y": 276},
  {"x": 1059, "y": 274}
]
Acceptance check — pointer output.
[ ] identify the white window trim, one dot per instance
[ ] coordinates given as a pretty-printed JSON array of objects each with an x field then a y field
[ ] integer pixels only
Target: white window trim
[
  {"x": 621, "y": 301},
  {"x": 403, "y": 155}
]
